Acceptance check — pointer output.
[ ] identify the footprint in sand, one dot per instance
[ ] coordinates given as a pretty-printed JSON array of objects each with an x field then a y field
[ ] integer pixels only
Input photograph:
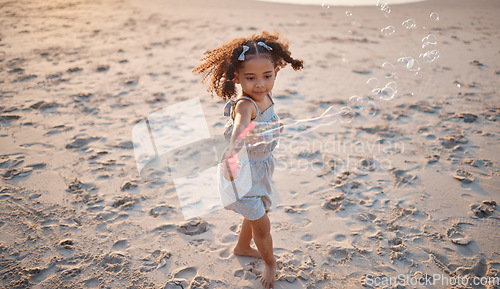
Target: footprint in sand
[
  {"x": 229, "y": 238},
  {"x": 339, "y": 237},
  {"x": 338, "y": 255},
  {"x": 73, "y": 69},
  {"x": 432, "y": 159},
  {"x": 456, "y": 236},
  {"x": 161, "y": 210},
  {"x": 200, "y": 282},
  {"x": 307, "y": 237},
  {"x": 464, "y": 176},
  {"x": 453, "y": 140},
  {"x": 114, "y": 261},
  {"x": 67, "y": 244},
  {"x": 334, "y": 203},
  {"x": 102, "y": 68},
  {"x": 120, "y": 245},
  {"x": 177, "y": 283},
  {"x": 366, "y": 217},
  {"x": 186, "y": 273},
  {"x": 194, "y": 227},
  {"x": 128, "y": 185},
  {"x": 124, "y": 202},
  {"x": 483, "y": 210},
  {"x": 225, "y": 253},
  {"x": 157, "y": 259},
  {"x": 80, "y": 142},
  {"x": 72, "y": 272}
]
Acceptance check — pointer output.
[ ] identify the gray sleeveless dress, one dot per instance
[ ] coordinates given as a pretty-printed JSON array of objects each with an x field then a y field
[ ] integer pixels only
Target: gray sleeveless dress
[{"x": 254, "y": 204}]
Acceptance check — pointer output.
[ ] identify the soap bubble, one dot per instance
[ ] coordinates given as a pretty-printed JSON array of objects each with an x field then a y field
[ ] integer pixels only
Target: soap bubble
[
  {"x": 384, "y": 8},
  {"x": 355, "y": 103},
  {"x": 370, "y": 108},
  {"x": 430, "y": 39},
  {"x": 389, "y": 30},
  {"x": 392, "y": 85},
  {"x": 389, "y": 69},
  {"x": 348, "y": 13},
  {"x": 367, "y": 106},
  {"x": 434, "y": 16},
  {"x": 325, "y": 6},
  {"x": 409, "y": 24},
  {"x": 361, "y": 104},
  {"x": 387, "y": 93},
  {"x": 373, "y": 83},
  {"x": 430, "y": 56},
  {"x": 411, "y": 64},
  {"x": 375, "y": 93},
  {"x": 346, "y": 114}
]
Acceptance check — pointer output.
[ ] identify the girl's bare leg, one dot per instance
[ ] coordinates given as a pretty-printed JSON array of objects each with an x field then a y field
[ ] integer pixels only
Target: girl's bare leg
[
  {"x": 243, "y": 247},
  {"x": 261, "y": 229}
]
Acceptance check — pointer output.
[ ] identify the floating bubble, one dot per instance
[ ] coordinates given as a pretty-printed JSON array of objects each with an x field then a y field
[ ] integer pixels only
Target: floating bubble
[
  {"x": 415, "y": 67},
  {"x": 387, "y": 93},
  {"x": 386, "y": 11},
  {"x": 411, "y": 64},
  {"x": 405, "y": 61},
  {"x": 366, "y": 106},
  {"x": 430, "y": 39},
  {"x": 389, "y": 69},
  {"x": 370, "y": 108},
  {"x": 355, "y": 23},
  {"x": 325, "y": 6},
  {"x": 389, "y": 30},
  {"x": 434, "y": 16},
  {"x": 392, "y": 85},
  {"x": 355, "y": 103},
  {"x": 384, "y": 7},
  {"x": 346, "y": 114},
  {"x": 430, "y": 56},
  {"x": 348, "y": 13},
  {"x": 375, "y": 92},
  {"x": 373, "y": 83},
  {"x": 409, "y": 24}
]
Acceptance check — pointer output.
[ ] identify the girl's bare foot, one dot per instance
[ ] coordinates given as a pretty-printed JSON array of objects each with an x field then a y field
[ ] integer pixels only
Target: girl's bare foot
[
  {"x": 269, "y": 276},
  {"x": 249, "y": 251}
]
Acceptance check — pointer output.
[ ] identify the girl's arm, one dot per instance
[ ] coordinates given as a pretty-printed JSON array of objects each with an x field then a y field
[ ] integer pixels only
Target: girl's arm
[
  {"x": 243, "y": 116},
  {"x": 244, "y": 113}
]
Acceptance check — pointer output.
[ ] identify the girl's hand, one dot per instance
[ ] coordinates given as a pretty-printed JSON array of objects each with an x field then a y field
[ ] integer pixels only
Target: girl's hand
[{"x": 230, "y": 166}]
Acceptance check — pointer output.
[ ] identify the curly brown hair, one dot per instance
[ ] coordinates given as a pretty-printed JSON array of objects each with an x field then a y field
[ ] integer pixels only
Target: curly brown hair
[{"x": 221, "y": 63}]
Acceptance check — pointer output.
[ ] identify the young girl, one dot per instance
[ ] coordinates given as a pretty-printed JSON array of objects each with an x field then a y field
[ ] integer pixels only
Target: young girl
[{"x": 253, "y": 63}]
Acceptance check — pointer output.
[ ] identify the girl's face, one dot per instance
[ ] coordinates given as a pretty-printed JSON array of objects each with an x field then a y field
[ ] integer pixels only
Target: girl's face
[{"x": 256, "y": 77}]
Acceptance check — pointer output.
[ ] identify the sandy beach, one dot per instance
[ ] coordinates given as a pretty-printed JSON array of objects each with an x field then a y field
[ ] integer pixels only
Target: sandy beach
[{"x": 405, "y": 195}]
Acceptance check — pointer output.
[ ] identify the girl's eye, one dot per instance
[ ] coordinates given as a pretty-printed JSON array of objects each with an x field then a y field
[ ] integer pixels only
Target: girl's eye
[
  {"x": 250, "y": 78},
  {"x": 268, "y": 76}
]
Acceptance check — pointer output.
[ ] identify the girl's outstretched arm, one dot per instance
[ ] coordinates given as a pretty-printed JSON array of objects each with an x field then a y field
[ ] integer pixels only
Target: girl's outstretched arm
[{"x": 244, "y": 112}]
